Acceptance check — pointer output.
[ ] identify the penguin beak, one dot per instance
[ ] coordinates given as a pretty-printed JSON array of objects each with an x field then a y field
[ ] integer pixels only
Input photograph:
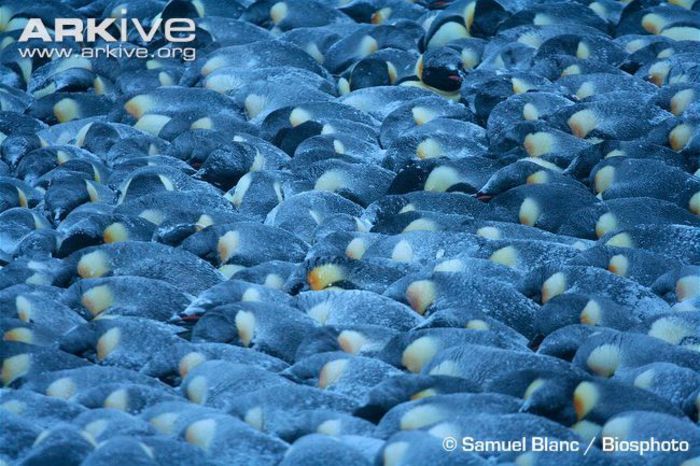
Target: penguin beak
[
  {"x": 482, "y": 197},
  {"x": 192, "y": 318},
  {"x": 442, "y": 78},
  {"x": 183, "y": 318},
  {"x": 437, "y": 4}
]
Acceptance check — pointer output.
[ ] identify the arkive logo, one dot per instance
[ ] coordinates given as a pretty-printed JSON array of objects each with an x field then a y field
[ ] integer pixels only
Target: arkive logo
[{"x": 90, "y": 30}]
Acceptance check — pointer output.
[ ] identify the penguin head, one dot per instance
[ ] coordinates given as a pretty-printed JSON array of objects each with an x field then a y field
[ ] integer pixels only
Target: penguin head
[
  {"x": 441, "y": 68},
  {"x": 692, "y": 405},
  {"x": 435, "y": 4},
  {"x": 98, "y": 137},
  {"x": 14, "y": 147},
  {"x": 359, "y": 10},
  {"x": 289, "y": 138},
  {"x": 526, "y": 171},
  {"x": 564, "y": 309},
  {"x": 322, "y": 273},
  {"x": 412, "y": 176},
  {"x": 180, "y": 9},
  {"x": 372, "y": 71},
  {"x": 549, "y": 396}
]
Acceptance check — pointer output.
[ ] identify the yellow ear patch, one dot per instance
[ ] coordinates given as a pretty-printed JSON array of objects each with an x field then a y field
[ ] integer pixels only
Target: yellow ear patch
[
  {"x": 449, "y": 368},
  {"x": 66, "y": 110},
  {"x": 254, "y": 104},
  {"x": 254, "y": 418},
  {"x": 419, "y": 353},
  {"x": 586, "y": 396},
  {"x": 583, "y": 51},
  {"x": 477, "y": 324},
  {"x": 679, "y": 136},
  {"x": 681, "y": 100},
  {"x": 228, "y": 245},
  {"x": 687, "y": 287},
  {"x": 115, "y": 233},
  {"x": 470, "y": 58},
  {"x": 619, "y": 265},
  {"x": 533, "y": 387},
  {"x": 118, "y": 399},
  {"x": 428, "y": 149},
  {"x": 332, "y": 372},
  {"x": 421, "y": 224},
  {"x": 393, "y": 453},
  {"x": 507, "y": 256},
  {"x": 63, "y": 388},
  {"x": 15, "y": 367},
  {"x": 553, "y": 286},
  {"x": 325, "y": 275},
  {"x": 694, "y": 203},
  {"x": 586, "y": 90},
  {"x": 299, "y": 116},
  {"x": 450, "y": 265},
  {"x": 604, "y": 178},
  {"x": 197, "y": 390},
  {"x": 446, "y": 33},
  {"x": 669, "y": 330},
  {"x": 278, "y": 12},
  {"x": 658, "y": 72},
  {"x": 331, "y": 181},
  {"x": 538, "y": 144},
  {"x": 356, "y": 248},
  {"x": 618, "y": 427},
  {"x": 164, "y": 423},
  {"x": 605, "y": 224},
  {"x": 22, "y": 199},
  {"x": 368, "y": 45},
  {"x": 622, "y": 240},
  {"x": 645, "y": 379},
  {"x": 381, "y": 15},
  {"x": 653, "y": 23},
  {"x": 245, "y": 325},
  {"x": 582, "y": 123},
  {"x": 332, "y": 427},
  {"x": 682, "y": 33},
  {"x": 420, "y": 295},
  {"x": 19, "y": 334},
  {"x": 201, "y": 433},
  {"x": 529, "y": 212},
  {"x": 139, "y": 105},
  {"x": 604, "y": 360},
  {"x": 94, "y": 264},
  {"x": 108, "y": 342},
  {"x": 530, "y": 112},
  {"x": 520, "y": 86},
  {"x": 402, "y": 252},
  {"x": 421, "y": 416},
  {"x": 189, "y": 362},
  {"x": 571, "y": 70},
  {"x": 351, "y": 341},
  {"x": 97, "y": 299},
  {"x": 441, "y": 179},
  {"x": 422, "y": 115},
  {"x": 539, "y": 177},
  {"x": 591, "y": 313},
  {"x": 489, "y": 233}
]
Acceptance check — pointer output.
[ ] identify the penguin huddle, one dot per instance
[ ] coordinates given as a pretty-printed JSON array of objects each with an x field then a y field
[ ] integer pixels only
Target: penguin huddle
[{"x": 349, "y": 229}]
